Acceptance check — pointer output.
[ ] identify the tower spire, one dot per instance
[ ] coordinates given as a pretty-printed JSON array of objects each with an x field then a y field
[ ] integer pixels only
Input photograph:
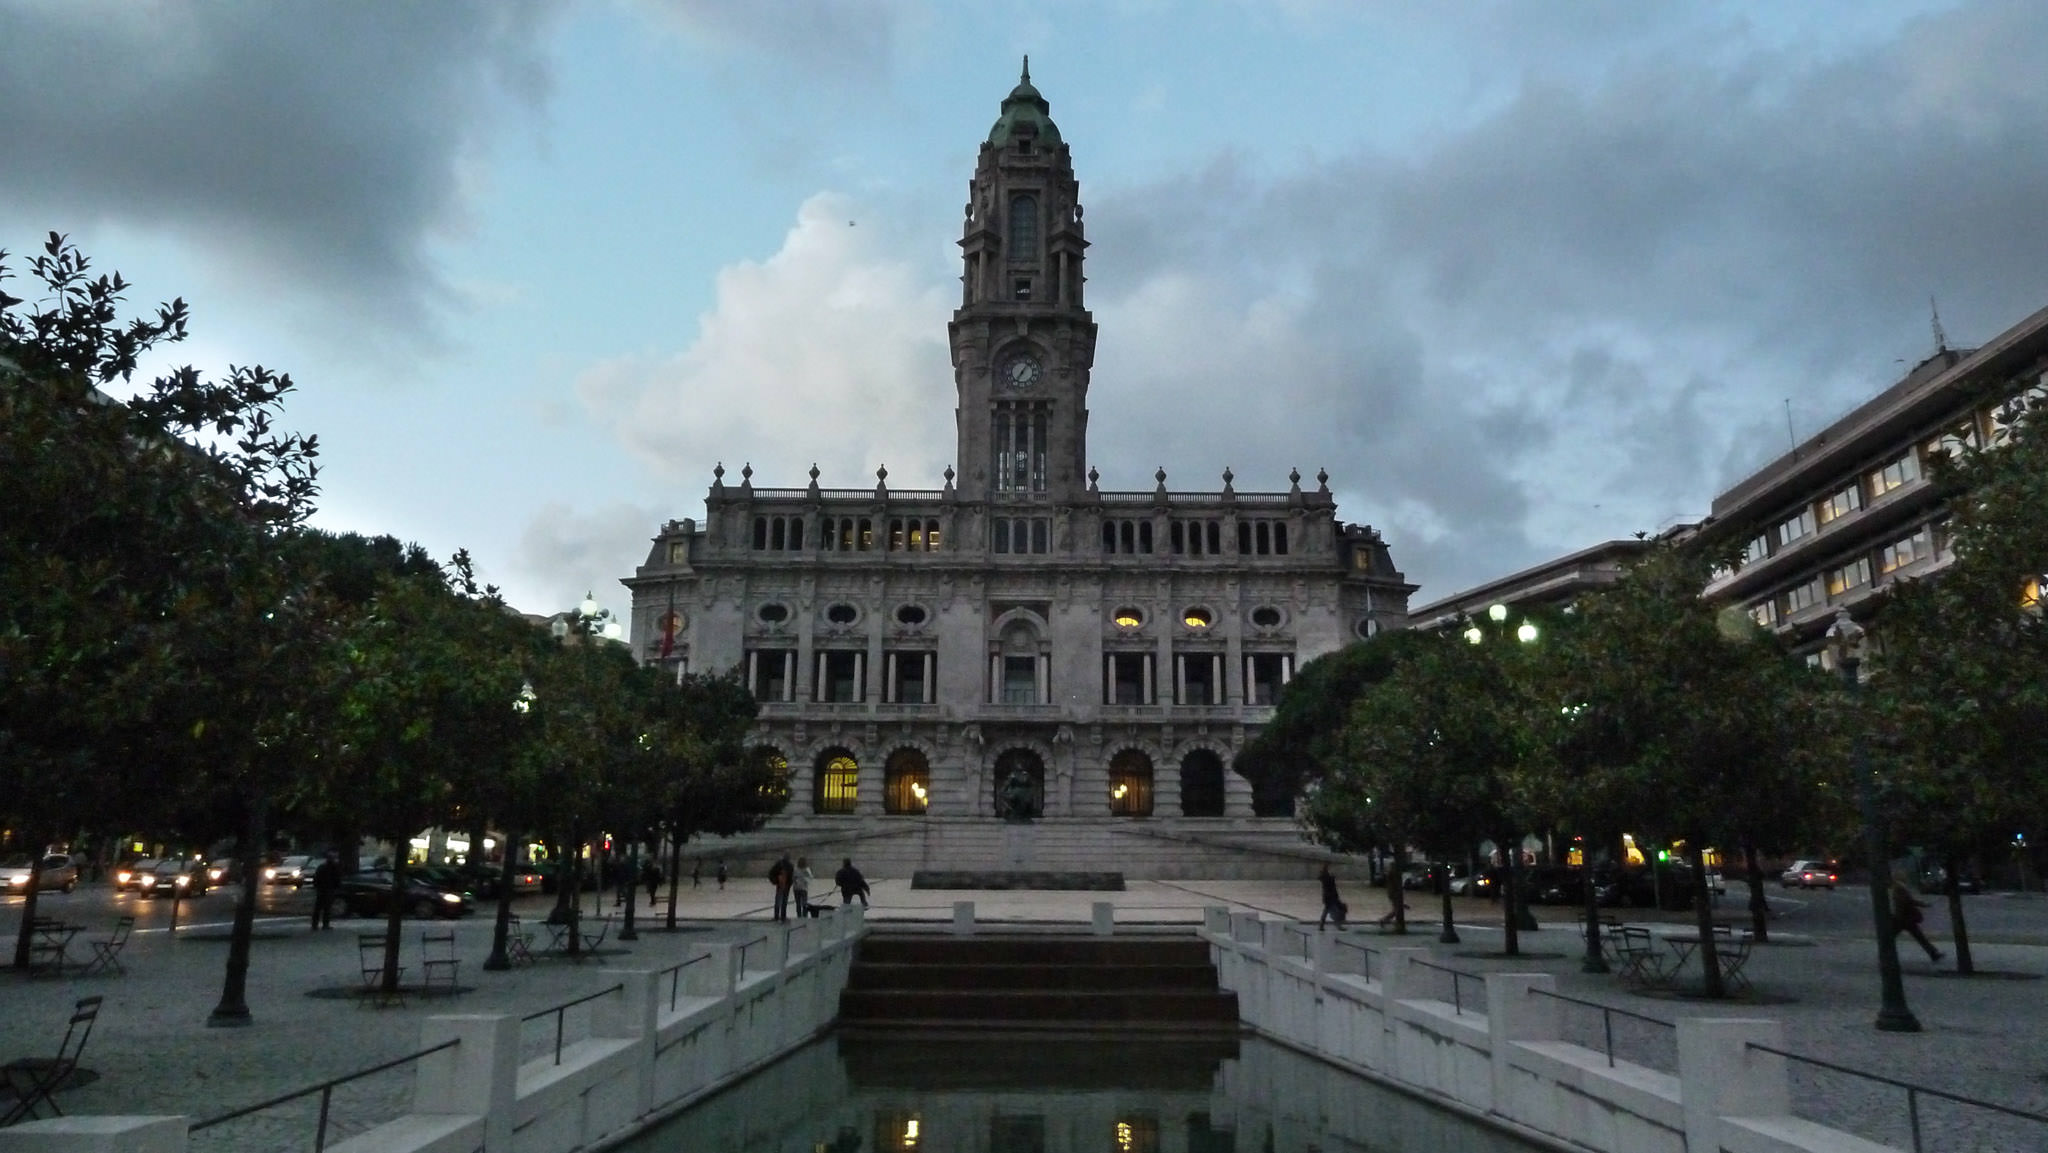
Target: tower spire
[{"x": 1026, "y": 79}]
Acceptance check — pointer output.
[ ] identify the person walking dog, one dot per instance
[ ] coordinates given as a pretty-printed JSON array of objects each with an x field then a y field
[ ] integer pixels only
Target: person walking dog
[
  {"x": 1334, "y": 908},
  {"x": 326, "y": 883},
  {"x": 851, "y": 883}
]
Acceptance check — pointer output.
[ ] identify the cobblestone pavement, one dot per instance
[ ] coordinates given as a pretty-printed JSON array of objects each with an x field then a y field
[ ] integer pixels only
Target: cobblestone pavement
[{"x": 153, "y": 1052}]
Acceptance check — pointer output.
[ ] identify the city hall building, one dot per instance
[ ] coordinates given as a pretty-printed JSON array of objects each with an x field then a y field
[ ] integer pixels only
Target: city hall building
[{"x": 925, "y": 656}]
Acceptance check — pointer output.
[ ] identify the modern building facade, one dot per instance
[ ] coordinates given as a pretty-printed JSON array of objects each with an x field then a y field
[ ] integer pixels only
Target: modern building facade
[
  {"x": 1852, "y": 508},
  {"x": 1552, "y": 584},
  {"x": 915, "y": 649}
]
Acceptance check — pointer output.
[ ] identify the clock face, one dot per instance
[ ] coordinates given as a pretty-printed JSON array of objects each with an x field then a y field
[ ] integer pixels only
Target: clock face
[{"x": 1020, "y": 371}]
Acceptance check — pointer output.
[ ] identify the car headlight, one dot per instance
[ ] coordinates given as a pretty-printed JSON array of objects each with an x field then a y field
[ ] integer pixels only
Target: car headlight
[
  {"x": 181, "y": 882},
  {"x": 17, "y": 880},
  {"x": 451, "y": 898},
  {"x": 123, "y": 878},
  {"x": 270, "y": 874}
]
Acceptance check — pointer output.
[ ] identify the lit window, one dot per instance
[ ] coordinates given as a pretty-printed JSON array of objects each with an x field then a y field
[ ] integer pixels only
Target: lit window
[
  {"x": 1902, "y": 471},
  {"x": 838, "y": 782},
  {"x": 906, "y": 783},
  {"x": 1758, "y": 548},
  {"x": 1796, "y": 528},
  {"x": 1130, "y": 784},
  {"x": 1849, "y": 576},
  {"x": 1128, "y": 618},
  {"x": 1804, "y": 596},
  {"x": 1764, "y": 613},
  {"x": 1900, "y": 553},
  {"x": 1198, "y": 618},
  {"x": 1840, "y": 505}
]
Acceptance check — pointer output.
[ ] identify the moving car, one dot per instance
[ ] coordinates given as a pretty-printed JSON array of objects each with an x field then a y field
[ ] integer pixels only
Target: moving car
[
  {"x": 296, "y": 871},
  {"x": 59, "y": 872},
  {"x": 368, "y": 894},
  {"x": 174, "y": 878},
  {"x": 133, "y": 875},
  {"x": 1935, "y": 880},
  {"x": 1809, "y": 874}
]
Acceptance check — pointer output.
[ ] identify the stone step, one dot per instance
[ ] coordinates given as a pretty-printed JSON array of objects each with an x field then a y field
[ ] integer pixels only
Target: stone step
[
  {"x": 1042, "y": 1008},
  {"x": 933, "y": 949},
  {"x": 1121, "y": 978}
]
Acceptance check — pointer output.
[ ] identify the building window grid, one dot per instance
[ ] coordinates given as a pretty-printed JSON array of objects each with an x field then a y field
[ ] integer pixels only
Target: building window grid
[
  {"x": 773, "y": 534},
  {"x": 841, "y": 677},
  {"x": 1020, "y": 436},
  {"x": 1764, "y": 613},
  {"x": 1198, "y": 678},
  {"x": 910, "y": 677},
  {"x": 838, "y": 784},
  {"x": 1897, "y": 474},
  {"x": 1020, "y": 534},
  {"x": 1127, "y": 679},
  {"x": 1906, "y": 550},
  {"x": 1804, "y": 596},
  {"x": 1839, "y": 505},
  {"x": 771, "y": 674},
  {"x": 1851, "y": 576},
  {"x": 1796, "y": 527}
]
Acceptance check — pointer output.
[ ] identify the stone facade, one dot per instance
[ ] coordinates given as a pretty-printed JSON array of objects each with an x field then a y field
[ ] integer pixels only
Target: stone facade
[{"x": 913, "y": 650}]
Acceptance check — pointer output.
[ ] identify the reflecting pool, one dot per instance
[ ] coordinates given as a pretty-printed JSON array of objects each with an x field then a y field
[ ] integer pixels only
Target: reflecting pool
[{"x": 865, "y": 1094}]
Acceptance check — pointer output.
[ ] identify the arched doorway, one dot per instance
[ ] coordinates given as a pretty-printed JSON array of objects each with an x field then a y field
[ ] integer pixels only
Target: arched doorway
[
  {"x": 838, "y": 782},
  {"x": 1201, "y": 784},
  {"x": 1130, "y": 784},
  {"x": 906, "y": 783},
  {"x": 1033, "y": 768}
]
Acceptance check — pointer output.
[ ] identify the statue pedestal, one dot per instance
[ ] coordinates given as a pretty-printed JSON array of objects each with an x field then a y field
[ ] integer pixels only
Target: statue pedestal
[{"x": 1020, "y": 846}]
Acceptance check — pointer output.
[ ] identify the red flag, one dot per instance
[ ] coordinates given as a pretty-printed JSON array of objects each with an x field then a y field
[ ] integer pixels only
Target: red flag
[{"x": 668, "y": 626}]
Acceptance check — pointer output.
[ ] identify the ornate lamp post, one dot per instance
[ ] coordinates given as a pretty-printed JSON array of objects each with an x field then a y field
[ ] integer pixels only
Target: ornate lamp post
[
  {"x": 498, "y": 962},
  {"x": 1845, "y": 644},
  {"x": 1518, "y": 915}
]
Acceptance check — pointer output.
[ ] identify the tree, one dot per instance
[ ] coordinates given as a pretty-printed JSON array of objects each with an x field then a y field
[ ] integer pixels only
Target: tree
[
  {"x": 714, "y": 780},
  {"x": 133, "y": 532}
]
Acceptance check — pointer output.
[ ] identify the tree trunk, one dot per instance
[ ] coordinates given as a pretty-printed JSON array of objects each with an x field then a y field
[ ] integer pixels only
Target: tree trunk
[
  {"x": 1759, "y": 907},
  {"x": 501, "y": 932},
  {"x": 675, "y": 876},
  {"x": 574, "y": 889},
  {"x": 1703, "y": 916},
  {"x": 25, "y": 933},
  {"x": 1952, "y": 884},
  {"x": 1596, "y": 961},
  {"x": 1395, "y": 893},
  {"x": 233, "y": 1009},
  {"x": 1508, "y": 856},
  {"x": 394, "y": 917},
  {"x": 1443, "y": 888},
  {"x": 629, "y": 887}
]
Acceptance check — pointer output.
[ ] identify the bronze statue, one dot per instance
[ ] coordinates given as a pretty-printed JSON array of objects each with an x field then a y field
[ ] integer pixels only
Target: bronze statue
[{"x": 1019, "y": 796}]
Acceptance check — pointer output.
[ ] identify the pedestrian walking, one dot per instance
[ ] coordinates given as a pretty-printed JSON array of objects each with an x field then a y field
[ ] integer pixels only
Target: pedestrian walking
[
  {"x": 652, "y": 875},
  {"x": 782, "y": 875},
  {"x": 721, "y": 876},
  {"x": 696, "y": 872},
  {"x": 1334, "y": 908},
  {"x": 326, "y": 883},
  {"x": 851, "y": 883},
  {"x": 1906, "y": 918},
  {"x": 800, "y": 884}
]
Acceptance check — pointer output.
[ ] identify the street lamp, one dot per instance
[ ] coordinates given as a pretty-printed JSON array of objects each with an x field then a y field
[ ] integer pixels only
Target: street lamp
[
  {"x": 1518, "y": 915},
  {"x": 498, "y": 961},
  {"x": 1845, "y": 644}
]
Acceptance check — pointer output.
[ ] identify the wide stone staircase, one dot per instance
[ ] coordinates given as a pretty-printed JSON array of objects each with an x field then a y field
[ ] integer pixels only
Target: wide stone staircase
[{"x": 1128, "y": 984}]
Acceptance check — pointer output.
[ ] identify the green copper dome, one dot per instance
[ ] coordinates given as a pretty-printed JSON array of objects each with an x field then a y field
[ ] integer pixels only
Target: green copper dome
[{"x": 1025, "y": 106}]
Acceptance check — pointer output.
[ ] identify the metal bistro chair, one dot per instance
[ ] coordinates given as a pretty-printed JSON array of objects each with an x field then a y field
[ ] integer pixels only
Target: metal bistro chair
[
  {"x": 438, "y": 962},
  {"x": 35, "y": 1080},
  {"x": 370, "y": 951},
  {"x": 106, "y": 955},
  {"x": 1641, "y": 962},
  {"x": 518, "y": 941},
  {"x": 1732, "y": 950}
]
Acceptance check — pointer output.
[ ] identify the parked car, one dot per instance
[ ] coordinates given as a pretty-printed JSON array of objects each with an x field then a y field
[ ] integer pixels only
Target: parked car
[
  {"x": 1935, "y": 880},
  {"x": 484, "y": 879},
  {"x": 1809, "y": 874},
  {"x": 133, "y": 875},
  {"x": 1555, "y": 884},
  {"x": 1422, "y": 877},
  {"x": 296, "y": 871},
  {"x": 368, "y": 894},
  {"x": 175, "y": 878},
  {"x": 1466, "y": 884},
  {"x": 60, "y": 872}
]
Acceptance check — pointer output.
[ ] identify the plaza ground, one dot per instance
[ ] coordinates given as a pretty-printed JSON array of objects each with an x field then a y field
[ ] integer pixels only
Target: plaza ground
[{"x": 153, "y": 1052}]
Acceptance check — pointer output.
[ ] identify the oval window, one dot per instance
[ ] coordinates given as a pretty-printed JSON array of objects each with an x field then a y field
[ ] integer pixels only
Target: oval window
[
  {"x": 910, "y": 615},
  {"x": 1128, "y": 618},
  {"x": 1368, "y": 628},
  {"x": 774, "y": 614},
  {"x": 1266, "y": 617},
  {"x": 842, "y": 614},
  {"x": 1197, "y": 618}
]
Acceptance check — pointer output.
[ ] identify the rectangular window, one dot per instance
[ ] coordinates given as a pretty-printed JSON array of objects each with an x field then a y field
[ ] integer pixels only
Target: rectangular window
[
  {"x": 1177, "y": 532},
  {"x": 1764, "y": 613},
  {"x": 1902, "y": 471},
  {"x": 1244, "y": 538},
  {"x": 839, "y": 676},
  {"x": 1757, "y": 549},
  {"x": 1956, "y": 439},
  {"x": 1128, "y": 679},
  {"x": 1215, "y": 542},
  {"x": 1041, "y": 535},
  {"x": 1265, "y": 673},
  {"x": 911, "y": 675},
  {"x": 1199, "y": 680},
  {"x": 999, "y": 534},
  {"x": 1020, "y": 431},
  {"x": 1900, "y": 553},
  {"x": 1020, "y": 680},
  {"x": 1804, "y": 597},
  {"x": 1796, "y": 528},
  {"x": 678, "y": 552},
  {"x": 770, "y": 672},
  {"x": 1840, "y": 505},
  {"x": 1850, "y": 576}
]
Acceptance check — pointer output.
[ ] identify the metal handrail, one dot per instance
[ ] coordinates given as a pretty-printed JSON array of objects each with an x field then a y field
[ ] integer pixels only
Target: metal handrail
[
  {"x": 560, "y": 1011},
  {"x": 1307, "y": 941},
  {"x": 1368, "y": 950},
  {"x": 1457, "y": 1001},
  {"x": 1913, "y": 1092},
  {"x": 1607, "y": 1013},
  {"x": 675, "y": 976},
  {"x": 326, "y": 1091},
  {"x": 743, "y": 953}
]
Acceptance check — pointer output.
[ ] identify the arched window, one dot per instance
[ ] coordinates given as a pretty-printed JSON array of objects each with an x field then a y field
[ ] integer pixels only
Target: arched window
[
  {"x": 1023, "y": 229},
  {"x": 778, "y": 767},
  {"x": 906, "y": 783},
  {"x": 1130, "y": 784},
  {"x": 1201, "y": 784},
  {"x": 838, "y": 782}
]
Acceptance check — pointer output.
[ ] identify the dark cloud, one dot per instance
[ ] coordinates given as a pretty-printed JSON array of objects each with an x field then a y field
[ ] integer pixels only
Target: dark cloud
[
  {"x": 845, "y": 38},
  {"x": 312, "y": 142},
  {"x": 1583, "y": 315}
]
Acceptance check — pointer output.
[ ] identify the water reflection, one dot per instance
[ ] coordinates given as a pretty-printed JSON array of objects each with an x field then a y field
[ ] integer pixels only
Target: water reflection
[{"x": 1030, "y": 1095}]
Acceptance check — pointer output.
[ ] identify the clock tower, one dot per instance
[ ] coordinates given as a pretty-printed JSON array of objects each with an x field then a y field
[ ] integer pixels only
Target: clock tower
[{"x": 1022, "y": 342}]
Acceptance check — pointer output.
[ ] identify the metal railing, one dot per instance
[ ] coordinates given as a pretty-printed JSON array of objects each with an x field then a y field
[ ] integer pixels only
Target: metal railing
[
  {"x": 326, "y": 1091},
  {"x": 560, "y": 1013},
  {"x": 1457, "y": 996},
  {"x": 1607, "y": 1015},
  {"x": 1367, "y": 952},
  {"x": 1913, "y": 1093},
  {"x": 674, "y": 973},
  {"x": 743, "y": 953},
  {"x": 1307, "y": 939}
]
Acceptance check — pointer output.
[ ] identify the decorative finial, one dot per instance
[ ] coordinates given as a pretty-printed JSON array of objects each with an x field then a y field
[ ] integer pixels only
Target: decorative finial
[
  {"x": 1027, "y": 69},
  {"x": 882, "y": 473},
  {"x": 814, "y": 472},
  {"x": 718, "y": 471},
  {"x": 1228, "y": 476},
  {"x": 949, "y": 474},
  {"x": 1093, "y": 477},
  {"x": 747, "y": 471},
  {"x": 1160, "y": 476},
  {"x": 1294, "y": 477},
  {"x": 1322, "y": 480}
]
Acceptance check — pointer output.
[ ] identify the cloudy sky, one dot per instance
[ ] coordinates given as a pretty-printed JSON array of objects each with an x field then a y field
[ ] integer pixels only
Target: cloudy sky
[{"x": 1524, "y": 275}]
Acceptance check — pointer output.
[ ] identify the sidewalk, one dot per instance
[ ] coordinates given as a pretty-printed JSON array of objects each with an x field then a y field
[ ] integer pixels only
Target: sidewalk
[{"x": 154, "y": 1054}]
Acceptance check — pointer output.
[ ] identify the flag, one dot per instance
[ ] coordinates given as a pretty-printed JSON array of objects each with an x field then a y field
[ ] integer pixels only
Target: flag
[{"x": 668, "y": 626}]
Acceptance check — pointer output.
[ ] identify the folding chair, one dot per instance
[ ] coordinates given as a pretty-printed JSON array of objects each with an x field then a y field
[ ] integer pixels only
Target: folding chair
[
  {"x": 370, "y": 952},
  {"x": 518, "y": 942},
  {"x": 106, "y": 955},
  {"x": 34, "y": 1080},
  {"x": 438, "y": 962},
  {"x": 1640, "y": 960},
  {"x": 604, "y": 926},
  {"x": 1733, "y": 953}
]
